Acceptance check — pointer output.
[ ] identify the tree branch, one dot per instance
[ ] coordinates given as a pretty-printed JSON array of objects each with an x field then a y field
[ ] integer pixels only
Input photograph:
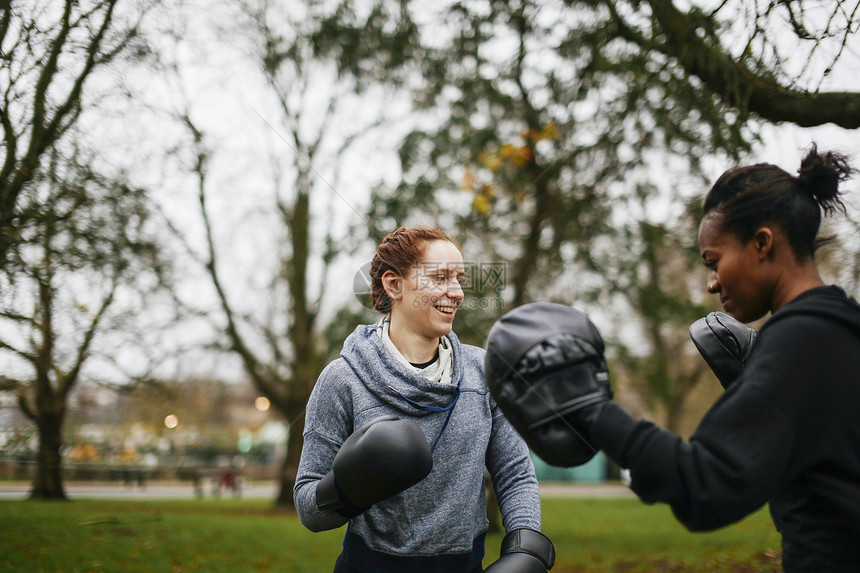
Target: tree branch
[
  {"x": 742, "y": 88},
  {"x": 255, "y": 368},
  {"x": 72, "y": 102},
  {"x": 25, "y": 405},
  {"x": 8, "y": 384},
  {"x": 15, "y": 350},
  {"x": 68, "y": 380}
]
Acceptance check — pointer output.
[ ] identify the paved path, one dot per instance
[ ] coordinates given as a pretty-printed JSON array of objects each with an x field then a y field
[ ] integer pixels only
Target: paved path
[
  {"x": 152, "y": 490},
  {"x": 585, "y": 490},
  {"x": 259, "y": 490}
]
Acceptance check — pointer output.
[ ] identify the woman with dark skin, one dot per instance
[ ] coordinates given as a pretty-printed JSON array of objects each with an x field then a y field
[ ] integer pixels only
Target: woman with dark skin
[
  {"x": 787, "y": 430},
  {"x": 758, "y": 235}
]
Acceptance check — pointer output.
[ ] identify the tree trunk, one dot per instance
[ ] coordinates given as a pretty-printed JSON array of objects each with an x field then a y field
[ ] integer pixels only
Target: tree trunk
[
  {"x": 290, "y": 467},
  {"x": 48, "y": 481}
]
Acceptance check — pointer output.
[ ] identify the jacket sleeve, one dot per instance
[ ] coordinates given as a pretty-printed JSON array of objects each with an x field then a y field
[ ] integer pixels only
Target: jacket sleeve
[
  {"x": 737, "y": 458},
  {"x": 513, "y": 475},
  {"x": 327, "y": 425}
]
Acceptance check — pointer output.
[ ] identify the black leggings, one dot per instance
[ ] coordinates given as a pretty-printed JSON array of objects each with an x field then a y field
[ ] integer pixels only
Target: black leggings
[
  {"x": 357, "y": 557},
  {"x": 341, "y": 566}
]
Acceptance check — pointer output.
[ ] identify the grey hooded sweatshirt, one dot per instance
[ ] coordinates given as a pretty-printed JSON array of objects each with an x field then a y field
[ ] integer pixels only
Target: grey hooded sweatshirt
[{"x": 446, "y": 512}]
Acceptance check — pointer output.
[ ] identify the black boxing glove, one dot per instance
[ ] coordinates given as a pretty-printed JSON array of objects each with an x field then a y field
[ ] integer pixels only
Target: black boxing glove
[
  {"x": 724, "y": 343},
  {"x": 546, "y": 369},
  {"x": 380, "y": 459},
  {"x": 524, "y": 551}
]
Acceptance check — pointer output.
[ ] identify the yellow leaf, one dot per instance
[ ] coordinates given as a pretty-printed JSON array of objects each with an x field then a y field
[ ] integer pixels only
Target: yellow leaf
[
  {"x": 549, "y": 131},
  {"x": 481, "y": 204},
  {"x": 517, "y": 155},
  {"x": 491, "y": 161},
  {"x": 469, "y": 181}
]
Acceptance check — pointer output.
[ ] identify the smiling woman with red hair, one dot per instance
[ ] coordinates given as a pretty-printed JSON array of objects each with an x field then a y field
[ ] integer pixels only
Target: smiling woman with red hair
[{"x": 401, "y": 427}]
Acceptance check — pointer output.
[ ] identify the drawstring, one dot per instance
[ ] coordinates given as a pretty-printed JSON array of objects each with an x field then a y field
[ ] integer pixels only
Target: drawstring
[
  {"x": 447, "y": 419},
  {"x": 449, "y": 408}
]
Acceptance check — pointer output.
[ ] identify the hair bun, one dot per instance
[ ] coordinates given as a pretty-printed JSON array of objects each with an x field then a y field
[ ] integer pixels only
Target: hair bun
[{"x": 820, "y": 175}]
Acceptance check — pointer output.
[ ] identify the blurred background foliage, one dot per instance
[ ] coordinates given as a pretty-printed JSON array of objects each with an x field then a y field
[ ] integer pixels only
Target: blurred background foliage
[{"x": 191, "y": 192}]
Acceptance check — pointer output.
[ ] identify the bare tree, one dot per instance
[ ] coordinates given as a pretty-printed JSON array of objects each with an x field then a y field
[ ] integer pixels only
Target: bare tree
[
  {"x": 277, "y": 332},
  {"x": 550, "y": 124},
  {"x": 71, "y": 279},
  {"x": 50, "y": 52}
]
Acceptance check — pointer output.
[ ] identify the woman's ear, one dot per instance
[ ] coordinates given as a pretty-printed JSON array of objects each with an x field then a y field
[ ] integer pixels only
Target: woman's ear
[
  {"x": 393, "y": 285},
  {"x": 763, "y": 241}
]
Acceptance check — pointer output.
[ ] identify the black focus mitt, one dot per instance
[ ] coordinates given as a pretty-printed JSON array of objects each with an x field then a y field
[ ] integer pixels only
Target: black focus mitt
[{"x": 546, "y": 369}]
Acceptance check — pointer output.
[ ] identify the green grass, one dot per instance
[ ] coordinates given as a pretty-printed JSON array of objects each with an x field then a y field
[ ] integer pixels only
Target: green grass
[
  {"x": 236, "y": 536},
  {"x": 625, "y": 535}
]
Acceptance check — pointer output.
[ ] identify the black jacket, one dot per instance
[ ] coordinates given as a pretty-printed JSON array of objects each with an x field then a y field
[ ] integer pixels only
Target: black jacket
[{"x": 786, "y": 433}]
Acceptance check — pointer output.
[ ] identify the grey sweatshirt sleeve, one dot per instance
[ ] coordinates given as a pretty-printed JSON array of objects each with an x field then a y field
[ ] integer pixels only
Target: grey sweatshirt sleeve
[
  {"x": 327, "y": 425},
  {"x": 513, "y": 476}
]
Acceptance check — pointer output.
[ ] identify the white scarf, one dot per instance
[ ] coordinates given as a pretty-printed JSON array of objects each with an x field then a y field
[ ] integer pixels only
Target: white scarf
[{"x": 440, "y": 371}]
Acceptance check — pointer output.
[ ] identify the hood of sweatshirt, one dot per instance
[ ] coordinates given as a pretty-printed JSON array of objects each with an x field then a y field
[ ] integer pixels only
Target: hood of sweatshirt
[
  {"x": 829, "y": 302},
  {"x": 393, "y": 382}
]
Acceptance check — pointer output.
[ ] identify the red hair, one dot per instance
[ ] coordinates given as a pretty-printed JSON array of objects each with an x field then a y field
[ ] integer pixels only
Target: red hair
[{"x": 399, "y": 252}]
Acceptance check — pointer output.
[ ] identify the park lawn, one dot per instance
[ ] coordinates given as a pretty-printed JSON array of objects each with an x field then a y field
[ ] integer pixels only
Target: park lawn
[
  {"x": 625, "y": 535},
  {"x": 237, "y": 536}
]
